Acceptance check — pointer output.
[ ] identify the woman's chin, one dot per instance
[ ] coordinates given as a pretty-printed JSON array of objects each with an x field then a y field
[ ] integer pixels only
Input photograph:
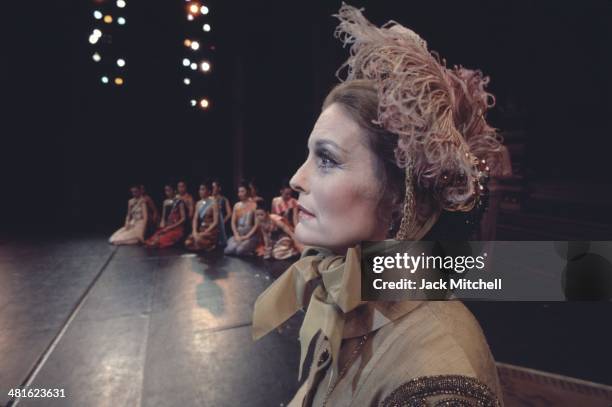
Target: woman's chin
[
  {"x": 307, "y": 237},
  {"x": 300, "y": 234}
]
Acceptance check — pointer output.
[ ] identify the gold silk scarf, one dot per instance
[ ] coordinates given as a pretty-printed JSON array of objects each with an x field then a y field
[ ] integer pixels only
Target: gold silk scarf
[{"x": 338, "y": 293}]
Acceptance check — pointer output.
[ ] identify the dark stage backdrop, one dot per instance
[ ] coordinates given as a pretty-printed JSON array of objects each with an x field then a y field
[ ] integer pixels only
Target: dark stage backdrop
[{"x": 71, "y": 146}]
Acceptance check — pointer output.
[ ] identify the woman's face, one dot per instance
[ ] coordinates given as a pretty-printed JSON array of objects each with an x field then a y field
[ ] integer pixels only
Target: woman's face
[
  {"x": 260, "y": 215},
  {"x": 136, "y": 192},
  {"x": 182, "y": 188},
  {"x": 203, "y": 192},
  {"x": 243, "y": 194},
  {"x": 169, "y": 191},
  {"x": 216, "y": 189},
  {"x": 286, "y": 193},
  {"x": 338, "y": 186}
]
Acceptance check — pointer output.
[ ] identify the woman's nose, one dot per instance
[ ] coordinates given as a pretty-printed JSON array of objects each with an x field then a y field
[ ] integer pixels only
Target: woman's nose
[{"x": 299, "y": 181}]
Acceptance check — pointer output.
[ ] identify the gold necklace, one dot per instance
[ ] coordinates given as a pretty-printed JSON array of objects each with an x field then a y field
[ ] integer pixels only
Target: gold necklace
[{"x": 349, "y": 362}]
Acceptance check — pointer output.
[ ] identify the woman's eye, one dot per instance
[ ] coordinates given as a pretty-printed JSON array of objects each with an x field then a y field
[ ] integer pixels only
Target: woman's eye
[{"x": 325, "y": 161}]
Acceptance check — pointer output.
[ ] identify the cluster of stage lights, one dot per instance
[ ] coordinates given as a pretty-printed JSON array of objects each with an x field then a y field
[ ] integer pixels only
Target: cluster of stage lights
[
  {"x": 196, "y": 13},
  {"x": 101, "y": 35}
]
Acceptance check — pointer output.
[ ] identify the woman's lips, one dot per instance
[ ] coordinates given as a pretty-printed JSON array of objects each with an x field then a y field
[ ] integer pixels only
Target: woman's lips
[{"x": 305, "y": 213}]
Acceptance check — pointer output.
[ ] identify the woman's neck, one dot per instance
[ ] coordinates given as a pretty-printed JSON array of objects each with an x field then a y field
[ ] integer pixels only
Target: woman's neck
[{"x": 341, "y": 250}]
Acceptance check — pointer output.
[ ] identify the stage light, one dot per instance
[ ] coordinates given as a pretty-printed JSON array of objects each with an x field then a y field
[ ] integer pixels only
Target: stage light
[
  {"x": 204, "y": 10},
  {"x": 95, "y": 36},
  {"x": 108, "y": 19},
  {"x": 187, "y": 81},
  {"x": 195, "y": 45},
  {"x": 121, "y": 21},
  {"x": 96, "y": 57},
  {"x": 121, "y": 62},
  {"x": 104, "y": 79},
  {"x": 118, "y": 81},
  {"x": 187, "y": 42},
  {"x": 206, "y": 27},
  {"x": 189, "y": 17},
  {"x": 204, "y": 103},
  {"x": 205, "y": 66},
  {"x": 194, "y": 66},
  {"x": 121, "y": 3},
  {"x": 186, "y": 62},
  {"x": 194, "y": 9},
  {"x": 192, "y": 102},
  {"x": 97, "y": 15}
]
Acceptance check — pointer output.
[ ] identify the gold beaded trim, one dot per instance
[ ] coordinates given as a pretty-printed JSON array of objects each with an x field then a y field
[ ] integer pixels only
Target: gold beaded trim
[
  {"x": 408, "y": 223},
  {"x": 462, "y": 391}
]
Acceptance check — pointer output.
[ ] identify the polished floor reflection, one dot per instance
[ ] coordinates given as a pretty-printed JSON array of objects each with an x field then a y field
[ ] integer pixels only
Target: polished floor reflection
[{"x": 129, "y": 326}]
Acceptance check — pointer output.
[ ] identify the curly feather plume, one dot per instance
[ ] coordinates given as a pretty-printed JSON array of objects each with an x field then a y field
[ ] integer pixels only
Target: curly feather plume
[{"x": 437, "y": 113}]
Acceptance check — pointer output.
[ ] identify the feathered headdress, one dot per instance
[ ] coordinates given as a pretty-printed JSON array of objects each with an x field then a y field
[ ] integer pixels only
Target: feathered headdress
[{"x": 436, "y": 112}]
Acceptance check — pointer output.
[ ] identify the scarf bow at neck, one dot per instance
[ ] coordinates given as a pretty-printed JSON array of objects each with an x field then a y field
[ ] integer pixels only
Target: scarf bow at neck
[{"x": 338, "y": 293}]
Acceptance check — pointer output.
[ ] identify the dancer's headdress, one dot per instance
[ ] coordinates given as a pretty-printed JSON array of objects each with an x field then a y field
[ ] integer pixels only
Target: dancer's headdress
[{"x": 436, "y": 112}]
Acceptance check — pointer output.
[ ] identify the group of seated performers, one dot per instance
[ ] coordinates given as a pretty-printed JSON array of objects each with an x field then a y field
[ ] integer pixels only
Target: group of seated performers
[{"x": 201, "y": 225}]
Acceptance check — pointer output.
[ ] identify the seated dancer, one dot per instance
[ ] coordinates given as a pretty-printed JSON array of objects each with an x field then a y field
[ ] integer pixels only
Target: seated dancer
[
  {"x": 186, "y": 197},
  {"x": 135, "y": 224},
  {"x": 285, "y": 205},
  {"x": 244, "y": 240},
  {"x": 172, "y": 225},
  {"x": 152, "y": 212},
  {"x": 205, "y": 223},
  {"x": 276, "y": 234},
  {"x": 253, "y": 192},
  {"x": 225, "y": 211}
]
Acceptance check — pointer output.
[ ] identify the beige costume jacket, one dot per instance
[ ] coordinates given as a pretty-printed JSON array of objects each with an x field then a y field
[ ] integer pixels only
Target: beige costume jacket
[
  {"x": 395, "y": 353},
  {"x": 433, "y": 355}
]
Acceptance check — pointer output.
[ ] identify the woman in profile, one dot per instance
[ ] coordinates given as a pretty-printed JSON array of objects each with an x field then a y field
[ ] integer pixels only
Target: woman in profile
[
  {"x": 205, "y": 222},
  {"x": 225, "y": 211},
  {"x": 244, "y": 239},
  {"x": 172, "y": 225},
  {"x": 403, "y": 160},
  {"x": 133, "y": 229}
]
